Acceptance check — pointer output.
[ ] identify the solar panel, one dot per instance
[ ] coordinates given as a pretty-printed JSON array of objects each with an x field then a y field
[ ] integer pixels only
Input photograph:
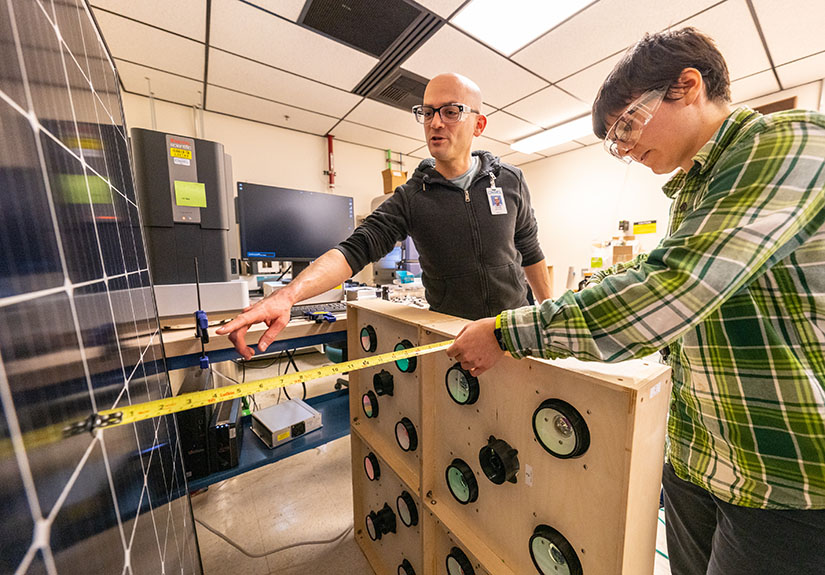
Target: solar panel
[{"x": 78, "y": 327}]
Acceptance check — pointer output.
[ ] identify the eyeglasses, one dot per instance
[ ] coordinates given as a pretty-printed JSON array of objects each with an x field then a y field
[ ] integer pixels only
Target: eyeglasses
[
  {"x": 450, "y": 113},
  {"x": 625, "y": 132}
]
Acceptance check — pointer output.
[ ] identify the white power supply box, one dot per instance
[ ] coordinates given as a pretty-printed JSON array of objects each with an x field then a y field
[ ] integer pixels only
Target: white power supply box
[{"x": 284, "y": 422}]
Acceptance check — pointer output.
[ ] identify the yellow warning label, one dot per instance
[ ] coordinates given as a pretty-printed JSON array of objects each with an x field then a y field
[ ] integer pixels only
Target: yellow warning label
[
  {"x": 646, "y": 227},
  {"x": 283, "y": 436},
  {"x": 180, "y": 153}
]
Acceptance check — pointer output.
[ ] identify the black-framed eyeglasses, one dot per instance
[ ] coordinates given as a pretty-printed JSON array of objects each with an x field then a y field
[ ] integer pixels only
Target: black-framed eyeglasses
[{"x": 450, "y": 113}]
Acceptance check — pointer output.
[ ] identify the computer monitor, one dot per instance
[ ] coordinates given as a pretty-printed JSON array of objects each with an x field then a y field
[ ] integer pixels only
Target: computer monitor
[{"x": 281, "y": 224}]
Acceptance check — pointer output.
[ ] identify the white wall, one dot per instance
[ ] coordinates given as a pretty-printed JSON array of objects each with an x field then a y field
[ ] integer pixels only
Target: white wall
[
  {"x": 580, "y": 196},
  {"x": 270, "y": 155}
]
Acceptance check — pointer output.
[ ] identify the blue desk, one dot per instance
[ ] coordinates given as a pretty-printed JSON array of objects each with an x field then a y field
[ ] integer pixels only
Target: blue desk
[{"x": 334, "y": 408}]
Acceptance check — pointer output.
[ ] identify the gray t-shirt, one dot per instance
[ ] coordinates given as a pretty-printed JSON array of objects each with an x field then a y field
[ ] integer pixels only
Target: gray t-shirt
[{"x": 463, "y": 181}]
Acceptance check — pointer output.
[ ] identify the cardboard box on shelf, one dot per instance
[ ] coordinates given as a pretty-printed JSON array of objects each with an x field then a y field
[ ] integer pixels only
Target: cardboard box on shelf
[
  {"x": 393, "y": 179},
  {"x": 622, "y": 254}
]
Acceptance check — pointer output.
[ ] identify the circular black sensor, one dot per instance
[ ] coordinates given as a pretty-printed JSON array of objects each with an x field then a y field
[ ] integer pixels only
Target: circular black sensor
[
  {"x": 560, "y": 429},
  {"x": 462, "y": 387},
  {"x": 461, "y": 481}
]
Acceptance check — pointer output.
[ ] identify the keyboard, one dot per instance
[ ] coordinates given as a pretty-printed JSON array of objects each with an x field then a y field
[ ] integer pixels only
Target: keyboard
[{"x": 331, "y": 307}]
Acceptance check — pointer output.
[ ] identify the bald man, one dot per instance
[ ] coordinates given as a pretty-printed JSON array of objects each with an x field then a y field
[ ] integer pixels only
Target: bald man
[{"x": 468, "y": 214}]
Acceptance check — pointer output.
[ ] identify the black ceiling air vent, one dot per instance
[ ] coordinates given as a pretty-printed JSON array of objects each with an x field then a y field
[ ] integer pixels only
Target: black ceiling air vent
[
  {"x": 387, "y": 82},
  {"x": 401, "y": 89},
  {"x": 367, "y": 25},
  {"x": 390, "y": 30}
]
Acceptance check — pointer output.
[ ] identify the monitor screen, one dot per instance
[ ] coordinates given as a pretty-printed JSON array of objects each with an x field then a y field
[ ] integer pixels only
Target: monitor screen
[{"x": 280, "y": 224}]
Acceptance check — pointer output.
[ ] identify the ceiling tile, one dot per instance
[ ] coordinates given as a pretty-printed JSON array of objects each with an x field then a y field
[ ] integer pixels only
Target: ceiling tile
[
  {"x": 802, "y": 71},
  {"x": 187, "y": 18},
  {"x": 753, "y": 86},
  {"x": 731, "y": 26},
  {"x": 588, "y": 140},
  {"x": 230, "y": 71},
  {"x": 164, "y": 86},
  {"x": 358, "y": 134},
  {"x": 519, "y": 158},
  {"x": 443, "y": 8},
  {"x": 142, "y": 44},
  {"x": 500, "y": 80},
  {"x": 601, "y": 30},
  {"x": 560, "y": 149},
  {"x": 502, "y": 126},
  {"x": 495, "y": 148},
  {"x": 384, "y": 117},
  {"x": 244, "y": 106},
  {"x": 792, "y": 30},
  {"x": 585, "y": 84},
  {"x": 245, "y": 30},
  {"x": 548, "y": 108},
  {"x": 289, "y": 9}
]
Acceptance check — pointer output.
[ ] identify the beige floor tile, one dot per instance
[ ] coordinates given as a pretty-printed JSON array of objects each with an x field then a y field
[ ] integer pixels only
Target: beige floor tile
[
  {"x": 306, "y": 497},
  {"x": 662, "y": 565},
  {"x": 219, "y": 558}
]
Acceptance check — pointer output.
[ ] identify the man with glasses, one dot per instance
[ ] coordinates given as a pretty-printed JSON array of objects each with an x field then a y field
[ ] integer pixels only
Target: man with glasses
[
  {"x": 468, "y": 214},
  {"x": 734, "y": 298}
]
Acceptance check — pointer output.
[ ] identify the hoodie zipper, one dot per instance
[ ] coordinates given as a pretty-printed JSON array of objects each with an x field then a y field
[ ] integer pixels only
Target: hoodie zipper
[{"x": 485, "y": 288}]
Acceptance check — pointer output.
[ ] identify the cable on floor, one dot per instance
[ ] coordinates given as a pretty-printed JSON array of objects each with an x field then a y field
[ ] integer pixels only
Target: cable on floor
[{"x": 341, "y": 535}]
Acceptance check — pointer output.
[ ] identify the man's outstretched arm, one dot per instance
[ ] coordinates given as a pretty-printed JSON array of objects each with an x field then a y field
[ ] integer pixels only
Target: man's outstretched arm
[{"x": 328, "y": 271}]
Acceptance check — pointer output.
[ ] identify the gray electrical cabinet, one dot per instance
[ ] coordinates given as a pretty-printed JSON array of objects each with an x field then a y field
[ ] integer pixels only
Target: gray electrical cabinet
[{"x": 186, "y": 202}]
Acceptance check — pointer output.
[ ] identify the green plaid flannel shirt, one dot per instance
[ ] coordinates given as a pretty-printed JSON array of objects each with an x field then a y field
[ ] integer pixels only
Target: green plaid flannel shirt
[{"x": 737, "y": 292}]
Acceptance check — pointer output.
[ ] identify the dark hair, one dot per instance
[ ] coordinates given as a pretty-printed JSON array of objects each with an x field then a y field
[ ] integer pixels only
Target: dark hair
[{"x": 657, "y": 61}]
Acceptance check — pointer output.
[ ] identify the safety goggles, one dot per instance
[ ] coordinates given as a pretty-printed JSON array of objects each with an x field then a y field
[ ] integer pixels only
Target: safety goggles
[{"x": 625, "y": 132}]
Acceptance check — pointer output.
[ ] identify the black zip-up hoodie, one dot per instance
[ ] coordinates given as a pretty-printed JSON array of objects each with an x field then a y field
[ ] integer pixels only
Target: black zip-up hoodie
[{"x": 471, "y": 260}]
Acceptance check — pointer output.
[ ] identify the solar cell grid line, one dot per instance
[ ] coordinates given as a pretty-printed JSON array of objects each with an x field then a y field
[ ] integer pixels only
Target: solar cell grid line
[{"x": 78, "y": 321}]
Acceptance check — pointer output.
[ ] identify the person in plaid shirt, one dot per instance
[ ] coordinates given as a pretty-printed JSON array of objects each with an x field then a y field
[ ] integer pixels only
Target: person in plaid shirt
[{"x": 734, "y": 298}]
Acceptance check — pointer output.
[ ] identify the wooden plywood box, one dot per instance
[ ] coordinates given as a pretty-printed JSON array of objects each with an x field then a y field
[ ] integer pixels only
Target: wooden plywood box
[
  {"x": 376, "y": 485},
  {"x": 391, "y": 325},
  {"x": 602, "y": 502}
]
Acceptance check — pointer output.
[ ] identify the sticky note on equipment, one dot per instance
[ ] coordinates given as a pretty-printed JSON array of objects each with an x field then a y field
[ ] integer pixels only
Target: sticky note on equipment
[{"x": 192, "y": 194}]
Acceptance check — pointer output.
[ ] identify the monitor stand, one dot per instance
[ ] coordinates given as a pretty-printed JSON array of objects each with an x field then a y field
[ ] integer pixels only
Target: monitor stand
[{"x": 298, "y": 267}]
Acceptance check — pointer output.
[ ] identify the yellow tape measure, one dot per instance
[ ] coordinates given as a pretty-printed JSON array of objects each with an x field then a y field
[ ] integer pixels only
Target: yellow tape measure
[{"x": 175, "y": 404}]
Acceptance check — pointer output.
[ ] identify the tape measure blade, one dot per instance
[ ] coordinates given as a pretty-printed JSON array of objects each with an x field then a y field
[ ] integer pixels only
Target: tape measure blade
[{"x": 196, "y": 399}]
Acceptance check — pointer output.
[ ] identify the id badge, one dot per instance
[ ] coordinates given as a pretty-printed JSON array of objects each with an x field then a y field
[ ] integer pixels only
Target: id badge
[{"x": 495, "y": 197}]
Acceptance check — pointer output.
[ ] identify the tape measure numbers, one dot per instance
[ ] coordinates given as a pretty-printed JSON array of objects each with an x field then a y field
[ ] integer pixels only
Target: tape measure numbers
[{"x": 169, "y": 405}]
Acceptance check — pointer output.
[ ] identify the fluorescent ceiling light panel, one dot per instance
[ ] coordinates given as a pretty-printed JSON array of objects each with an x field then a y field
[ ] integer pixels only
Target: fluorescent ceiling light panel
[
  {"x": 555, "y": 136},
  {"x": 507, "y": 26}
]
